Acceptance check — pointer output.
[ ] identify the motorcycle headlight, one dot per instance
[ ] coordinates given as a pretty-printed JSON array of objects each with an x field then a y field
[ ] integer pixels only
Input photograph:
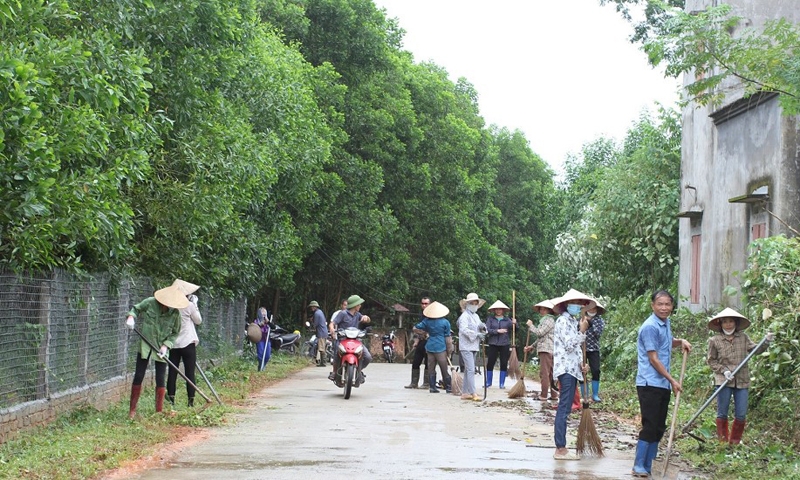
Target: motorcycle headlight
[
  {"x": 342, "y": 349},
  {"x": 359, "y": 349}
]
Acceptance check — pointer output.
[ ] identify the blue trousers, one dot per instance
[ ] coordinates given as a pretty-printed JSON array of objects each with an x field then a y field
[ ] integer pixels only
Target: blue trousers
[
  {"x": 566, "y": 391},
  {"x": 740, "y": 397}
]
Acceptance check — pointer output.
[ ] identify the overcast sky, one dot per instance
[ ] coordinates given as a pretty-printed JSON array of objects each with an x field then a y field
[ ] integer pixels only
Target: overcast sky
[{"x": 563, "y": 72}]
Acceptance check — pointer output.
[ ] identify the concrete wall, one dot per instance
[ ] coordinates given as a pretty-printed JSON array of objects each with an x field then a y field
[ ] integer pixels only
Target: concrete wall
[{"x": 726, "y": 156}]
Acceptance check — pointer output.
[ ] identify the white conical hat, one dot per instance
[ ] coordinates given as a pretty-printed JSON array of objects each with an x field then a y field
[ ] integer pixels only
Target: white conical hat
[
  {"x": 572, "y": 295},
  {"x": 436, "y": 310},
  {"x": 548, "y": 304},
  {"x": 499, "y": 304},
  {"x": 716, "y": 321},
  {"x": 186, "y": 287}
]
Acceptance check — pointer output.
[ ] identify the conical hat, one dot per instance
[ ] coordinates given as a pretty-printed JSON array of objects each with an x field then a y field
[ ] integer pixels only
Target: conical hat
[
  {"x": 600, "y": 308},
  {"x": 572, "y": 295},
  {"x": 470, "y": 297},
  {"x": 498, "y": 304},
  {"x": 436, "y": 310},
  {"x": 548, "y": 304},
  {"x": 716, "y": 321},
  {"x": 186, "y": 287},
  {"x": 172, "y": 297}
]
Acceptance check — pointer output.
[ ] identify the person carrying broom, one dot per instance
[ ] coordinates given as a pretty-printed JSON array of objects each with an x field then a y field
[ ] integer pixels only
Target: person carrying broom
[
  {"x": 653, "y": 380},
  {"x": 470, "y": 329},
  {"x": 498, "y": 329},
  {"x": 568, "y": 366}
]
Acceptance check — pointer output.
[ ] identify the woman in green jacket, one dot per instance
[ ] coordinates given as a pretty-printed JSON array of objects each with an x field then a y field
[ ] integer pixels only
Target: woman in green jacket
[{"x": 159, "y": 322}]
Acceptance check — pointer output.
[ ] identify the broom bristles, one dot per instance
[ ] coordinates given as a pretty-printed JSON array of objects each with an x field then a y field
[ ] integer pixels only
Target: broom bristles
[
  {"x": 518, "y": 390},
  {"x": 513, "y": 365},
  {"x": 588, "y": 442},
  {"x": 455, "y": 382}
]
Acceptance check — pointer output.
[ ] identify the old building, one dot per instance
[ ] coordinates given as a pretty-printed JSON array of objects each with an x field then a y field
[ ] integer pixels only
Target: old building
[{"x": 740, "y": 175}]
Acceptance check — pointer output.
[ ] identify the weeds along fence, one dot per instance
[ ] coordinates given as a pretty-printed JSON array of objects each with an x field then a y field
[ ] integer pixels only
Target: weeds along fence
[{"x": 63, "y": 342}]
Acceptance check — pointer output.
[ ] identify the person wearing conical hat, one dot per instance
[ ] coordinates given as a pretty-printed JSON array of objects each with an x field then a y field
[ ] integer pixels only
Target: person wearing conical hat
[
  {"x": 568, "y": 368},
  {"x": 726, "y": 350},
  {"x": 351, "y": 317},
  {"x": 597, "y": 324},
  {"x": 654, "y": 344},
  {"x": 420, "y": 361},
  {"x": 470, "y": 329},
  {"x": 437, "y": 327},
  {"x": 544, "y": 348},
  {"x": 159, "y": 322},
  {"x": 498, "y": 341},
  {"x": 320, "y": 324},
  {"x": 185, "y": 348}
]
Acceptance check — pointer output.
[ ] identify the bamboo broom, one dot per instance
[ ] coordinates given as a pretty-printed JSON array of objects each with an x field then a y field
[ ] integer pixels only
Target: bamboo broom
[
  {"x": 513, "y": 362},
  {"x": 518, "y": 390},
  {"x": 588, "y": 442},
  {"x": 455, "y": 379}
]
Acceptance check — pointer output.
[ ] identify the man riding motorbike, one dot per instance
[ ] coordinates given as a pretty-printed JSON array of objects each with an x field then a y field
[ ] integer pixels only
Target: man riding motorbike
[{"x": 351, "y": 317}]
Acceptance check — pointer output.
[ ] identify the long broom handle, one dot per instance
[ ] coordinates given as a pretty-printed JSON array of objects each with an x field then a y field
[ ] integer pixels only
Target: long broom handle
[
  {"x": 203, "y": 374},
  {"x": 712, "y": 397},
  {"x": 514, "y": 316},
  {"x": 166, "y": 359},
  {"x": 674, "y": 417}
]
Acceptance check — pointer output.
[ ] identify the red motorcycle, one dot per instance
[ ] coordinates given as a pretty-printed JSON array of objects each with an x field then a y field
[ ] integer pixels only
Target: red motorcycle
[{"x": 350, "y": 351}]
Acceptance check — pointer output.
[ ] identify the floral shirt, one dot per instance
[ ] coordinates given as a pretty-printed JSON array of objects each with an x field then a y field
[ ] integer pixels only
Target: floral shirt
[
  {"x": 593, "y": 334},
  {"x": 567, "y": 351}
]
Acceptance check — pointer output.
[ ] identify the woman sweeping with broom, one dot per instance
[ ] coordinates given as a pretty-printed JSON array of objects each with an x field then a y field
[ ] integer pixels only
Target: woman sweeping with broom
[
  {"x": 469, "y": 332},
  {"x": 568, "y": 366}
]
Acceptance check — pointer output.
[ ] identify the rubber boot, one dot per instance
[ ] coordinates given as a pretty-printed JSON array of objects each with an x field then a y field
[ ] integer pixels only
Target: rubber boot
[
  {"x": 190, "y": 401},
  {"x": 448, "y": 385},
  {"x": 489, "y": 376},
  {"x": 737, "y": 430},
  {"x": 432, "y": 384},
  {"x": 576, "y": 400},
  {"x": 652, "y": 451},
  {"x": 722, "y": 430},
  {"x": 414, "y": 379},
  {"x": 171, "y": 399},
  {"x": 638, "y": 462},
  {"x": 425, "y": 383},
  {"x": 161, "y": 392},
  {"x": 503, "y": 379},
  {"x": 596, "y": 391},
  {"x": 136, "y": 390}
]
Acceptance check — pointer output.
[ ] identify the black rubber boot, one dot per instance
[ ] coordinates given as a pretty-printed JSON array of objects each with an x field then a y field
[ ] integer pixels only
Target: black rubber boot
[
  {"x": 414, "y": 379},
  {"x": 171, "y": 399},
  {"x": 447, "y": 385},
  {"x": 432, "y": 384}
]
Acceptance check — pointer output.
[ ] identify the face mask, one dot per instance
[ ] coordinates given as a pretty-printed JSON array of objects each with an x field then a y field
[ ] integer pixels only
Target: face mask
[
  {"x": 573, "y": 309},
  {"x": 729, "y": 332},
  {"x": 472, "y": 308},
  {"x": 591, "y": 314}
]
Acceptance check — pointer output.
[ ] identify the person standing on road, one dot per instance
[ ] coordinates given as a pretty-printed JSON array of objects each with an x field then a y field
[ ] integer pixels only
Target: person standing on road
[
  {"x": 321, "y": 330},
  {"x": 185, "y": 347},
  {"x": 160, "y": 323},
  {"x": 437, "y": 327},
  {"x": 351, "y": 317},
  {"x": 498, "y": 326},
  {"x": 596, "y": 326},
  {"x": 653, "y": 379},
  {"x": 544, "y": 348},
  {"x": 568, "y": 367},
  {"x": 470, "y": 330},
  {"x": 263, "y": 347},
  {"x": 726, "y": 350},
  {"x": 420, "y": 355}
]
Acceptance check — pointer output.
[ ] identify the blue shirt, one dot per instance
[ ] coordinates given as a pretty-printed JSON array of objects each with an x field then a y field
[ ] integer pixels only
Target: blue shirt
[
  {"x": 654, "y": 336},
  {"x": 437, "y": 329},
  {"x": 320, "y": 325}
]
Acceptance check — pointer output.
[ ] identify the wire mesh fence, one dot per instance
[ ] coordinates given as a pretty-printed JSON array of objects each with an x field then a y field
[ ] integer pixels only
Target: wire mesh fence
[{"x": 60, "y": 332}]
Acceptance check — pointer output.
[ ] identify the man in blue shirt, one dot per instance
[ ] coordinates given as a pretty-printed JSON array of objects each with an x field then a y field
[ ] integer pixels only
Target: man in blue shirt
[
  {"x": 321, "y": 330},
  {"x": 653, "y": 380}
]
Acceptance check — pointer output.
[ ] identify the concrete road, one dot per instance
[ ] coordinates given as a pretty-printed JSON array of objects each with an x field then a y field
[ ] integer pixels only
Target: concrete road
[{"x": 302, "y": 428}]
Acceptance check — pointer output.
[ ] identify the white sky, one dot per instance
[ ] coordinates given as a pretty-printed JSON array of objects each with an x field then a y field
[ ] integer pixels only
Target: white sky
[{"x": 563, "y": 72}]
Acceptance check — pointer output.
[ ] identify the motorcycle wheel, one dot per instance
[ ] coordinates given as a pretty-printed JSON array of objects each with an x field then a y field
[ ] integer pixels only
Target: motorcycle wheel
[
  {"x": 349, "y": 379},
  {"x": 388, "y": 356},
  {"x": 307, "y": 350}
]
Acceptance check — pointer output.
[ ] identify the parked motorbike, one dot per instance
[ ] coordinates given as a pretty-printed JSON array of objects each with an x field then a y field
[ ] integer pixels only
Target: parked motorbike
[
  {"x": 282, "y": 339},
  {"x": 350, "y": 350},
  {"x": 387, "y": 344},
  {"x": 311, "y": 345}
]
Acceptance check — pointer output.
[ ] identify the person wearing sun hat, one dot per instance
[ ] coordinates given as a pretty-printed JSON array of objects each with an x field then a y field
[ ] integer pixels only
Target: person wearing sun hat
[
  {"x": 469, "y": 333},
  {"x": 568, "y": 368},
  {"x": 320, "y": 325},
  {"x": 726, "y": 350},
  {"x": 351, "y": 317},
  {"x": 159, "y": 322},
  {"x": 596, "y": 326},
  {"x": 185, "y": 348},
  {"x": 544, "y": 347},
  {"x": 438, "y": 329},
  {"x": 498, "y": 341}
]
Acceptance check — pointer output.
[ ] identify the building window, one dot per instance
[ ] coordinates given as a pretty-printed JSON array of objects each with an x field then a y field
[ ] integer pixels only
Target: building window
[
  {"x": 758, "y": 230},
  {"x": 694, "y": 289}
]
